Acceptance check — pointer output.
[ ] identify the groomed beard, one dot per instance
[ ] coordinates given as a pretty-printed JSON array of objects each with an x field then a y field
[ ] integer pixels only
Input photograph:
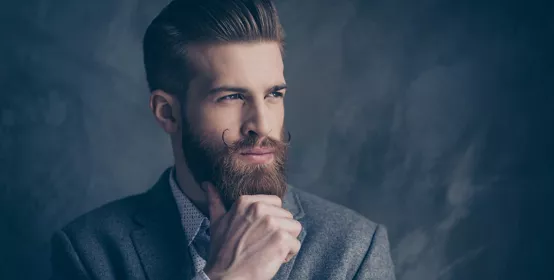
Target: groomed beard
[{"x": 218, "y": 162}]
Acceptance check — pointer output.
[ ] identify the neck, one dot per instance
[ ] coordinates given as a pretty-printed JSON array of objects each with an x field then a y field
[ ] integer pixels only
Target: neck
[{"x": 190, "y": 187}]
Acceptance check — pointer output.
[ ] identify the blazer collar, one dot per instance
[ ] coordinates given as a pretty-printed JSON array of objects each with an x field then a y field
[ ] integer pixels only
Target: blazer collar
[{"x": 161, "y": 242}]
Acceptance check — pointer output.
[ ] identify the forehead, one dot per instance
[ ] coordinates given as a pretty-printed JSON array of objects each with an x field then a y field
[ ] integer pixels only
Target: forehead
[{"x": 253, "y": 65}]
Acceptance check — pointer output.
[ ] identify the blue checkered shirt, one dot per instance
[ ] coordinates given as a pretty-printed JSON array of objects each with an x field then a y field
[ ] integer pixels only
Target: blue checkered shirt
[{"x": 195, "y": 225}]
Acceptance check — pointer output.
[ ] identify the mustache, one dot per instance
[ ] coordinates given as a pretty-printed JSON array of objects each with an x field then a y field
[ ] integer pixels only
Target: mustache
[{"x": 252, "y": 139}]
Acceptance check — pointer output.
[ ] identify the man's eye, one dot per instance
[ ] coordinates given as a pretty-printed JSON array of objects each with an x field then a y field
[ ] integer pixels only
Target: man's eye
[
  {"x": 276, "y": 94},
  {"x": 231, "y": 97}
]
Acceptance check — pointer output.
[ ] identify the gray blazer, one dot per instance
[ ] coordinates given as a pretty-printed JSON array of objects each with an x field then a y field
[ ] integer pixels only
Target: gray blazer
[{"x": 140, "y": 237}]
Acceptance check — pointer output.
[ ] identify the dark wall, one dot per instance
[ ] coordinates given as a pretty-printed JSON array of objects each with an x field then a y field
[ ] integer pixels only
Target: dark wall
[{"x": 435, "y": 118}]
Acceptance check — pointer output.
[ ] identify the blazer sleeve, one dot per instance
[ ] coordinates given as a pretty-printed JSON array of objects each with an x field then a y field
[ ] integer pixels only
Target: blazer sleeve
[
  {"x": 65, "y": 261},
  {"x": 377, "y": 263}
]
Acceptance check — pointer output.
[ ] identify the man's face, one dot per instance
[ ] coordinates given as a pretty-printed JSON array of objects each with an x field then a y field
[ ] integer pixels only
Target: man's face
[{"x": 232, "y": 132}]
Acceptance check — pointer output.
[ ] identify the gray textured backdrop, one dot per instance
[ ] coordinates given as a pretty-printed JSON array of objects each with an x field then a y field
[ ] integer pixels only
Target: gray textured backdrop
[{"x": 432, "y": 117}]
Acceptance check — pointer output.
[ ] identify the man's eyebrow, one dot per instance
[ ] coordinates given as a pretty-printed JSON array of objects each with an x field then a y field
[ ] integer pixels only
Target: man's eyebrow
[
  {"x": 244, "y": 90},
  {"x": 227, "y": 89},
  {"x": 277, "y": 87}
]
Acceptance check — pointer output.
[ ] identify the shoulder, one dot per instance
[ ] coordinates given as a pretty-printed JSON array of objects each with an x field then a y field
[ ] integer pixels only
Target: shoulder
[
  {"x": 98, "y": 240},
  {"x": 334, "y": 220},
  {"x": 112, "y": 217}
]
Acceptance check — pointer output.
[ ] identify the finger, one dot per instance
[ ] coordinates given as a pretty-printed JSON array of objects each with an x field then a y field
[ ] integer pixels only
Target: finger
[
  {"x": 258, "y": 206},
  {"x": 260, "y": 209},
  {"x": 295, "y": 248},
  {"x": 291, "y": 226},
  {"x": 268, "y": 199},
  {"x": 216, "y": 207},
  {"x": 288, "y": 241},
  {"x": 289, "y": 257}
]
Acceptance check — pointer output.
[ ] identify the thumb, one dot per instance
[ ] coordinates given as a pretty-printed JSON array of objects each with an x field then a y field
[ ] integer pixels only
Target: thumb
[{"x": 215, "y": 204}]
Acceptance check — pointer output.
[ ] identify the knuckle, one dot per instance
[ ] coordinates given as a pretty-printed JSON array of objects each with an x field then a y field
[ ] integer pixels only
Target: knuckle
[
  {"x": 256, "y": 209},
  {"x": 282, "y": 251},
  {"x": 281, "y": 237},
  {"x": 270, "y": 222}
]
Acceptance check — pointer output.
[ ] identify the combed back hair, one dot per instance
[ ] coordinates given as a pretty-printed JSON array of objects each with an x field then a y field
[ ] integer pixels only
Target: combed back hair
[{"x": 185, "y": 22}]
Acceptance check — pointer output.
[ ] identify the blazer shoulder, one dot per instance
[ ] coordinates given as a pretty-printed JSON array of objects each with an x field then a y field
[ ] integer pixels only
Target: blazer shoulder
[
  {"x": 115, "y": 214},
  {"x": 332, "y": 217}
]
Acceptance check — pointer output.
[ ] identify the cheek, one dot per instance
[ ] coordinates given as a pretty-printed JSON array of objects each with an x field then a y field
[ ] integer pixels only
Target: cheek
[
  {"x": 278, "y": 120},
  {"x": 216, "y": 121}
]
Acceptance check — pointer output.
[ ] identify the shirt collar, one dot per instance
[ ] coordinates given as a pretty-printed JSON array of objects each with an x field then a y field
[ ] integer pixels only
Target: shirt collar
[{"x": 191, "y": 217}]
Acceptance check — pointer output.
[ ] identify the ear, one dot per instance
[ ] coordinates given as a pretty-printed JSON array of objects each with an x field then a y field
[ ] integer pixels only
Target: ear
[{"x": 166, "y": 110}]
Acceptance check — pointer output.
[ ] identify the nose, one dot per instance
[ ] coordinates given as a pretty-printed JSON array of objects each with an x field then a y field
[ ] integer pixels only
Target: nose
[{"x": 256, "y": 121}]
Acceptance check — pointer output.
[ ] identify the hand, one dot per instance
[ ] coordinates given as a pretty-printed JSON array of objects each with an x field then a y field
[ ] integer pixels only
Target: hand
[{"x": 252, "y": 239}]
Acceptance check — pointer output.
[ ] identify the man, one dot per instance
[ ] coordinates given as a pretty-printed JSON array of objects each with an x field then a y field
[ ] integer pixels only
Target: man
[{"x": 224, "y": 211}]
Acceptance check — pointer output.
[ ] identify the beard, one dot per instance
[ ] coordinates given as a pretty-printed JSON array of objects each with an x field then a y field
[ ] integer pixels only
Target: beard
[{"x": 218, "y": 162}]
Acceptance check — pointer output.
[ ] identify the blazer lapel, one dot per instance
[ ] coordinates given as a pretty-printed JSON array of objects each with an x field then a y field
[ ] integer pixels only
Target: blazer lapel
[
  {"x": 292, "y": 204},
  {"x": 161, "y": 242}
]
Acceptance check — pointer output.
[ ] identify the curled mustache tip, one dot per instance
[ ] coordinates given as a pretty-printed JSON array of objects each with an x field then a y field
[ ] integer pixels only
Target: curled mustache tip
[{"x": 223, "y": 138}]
